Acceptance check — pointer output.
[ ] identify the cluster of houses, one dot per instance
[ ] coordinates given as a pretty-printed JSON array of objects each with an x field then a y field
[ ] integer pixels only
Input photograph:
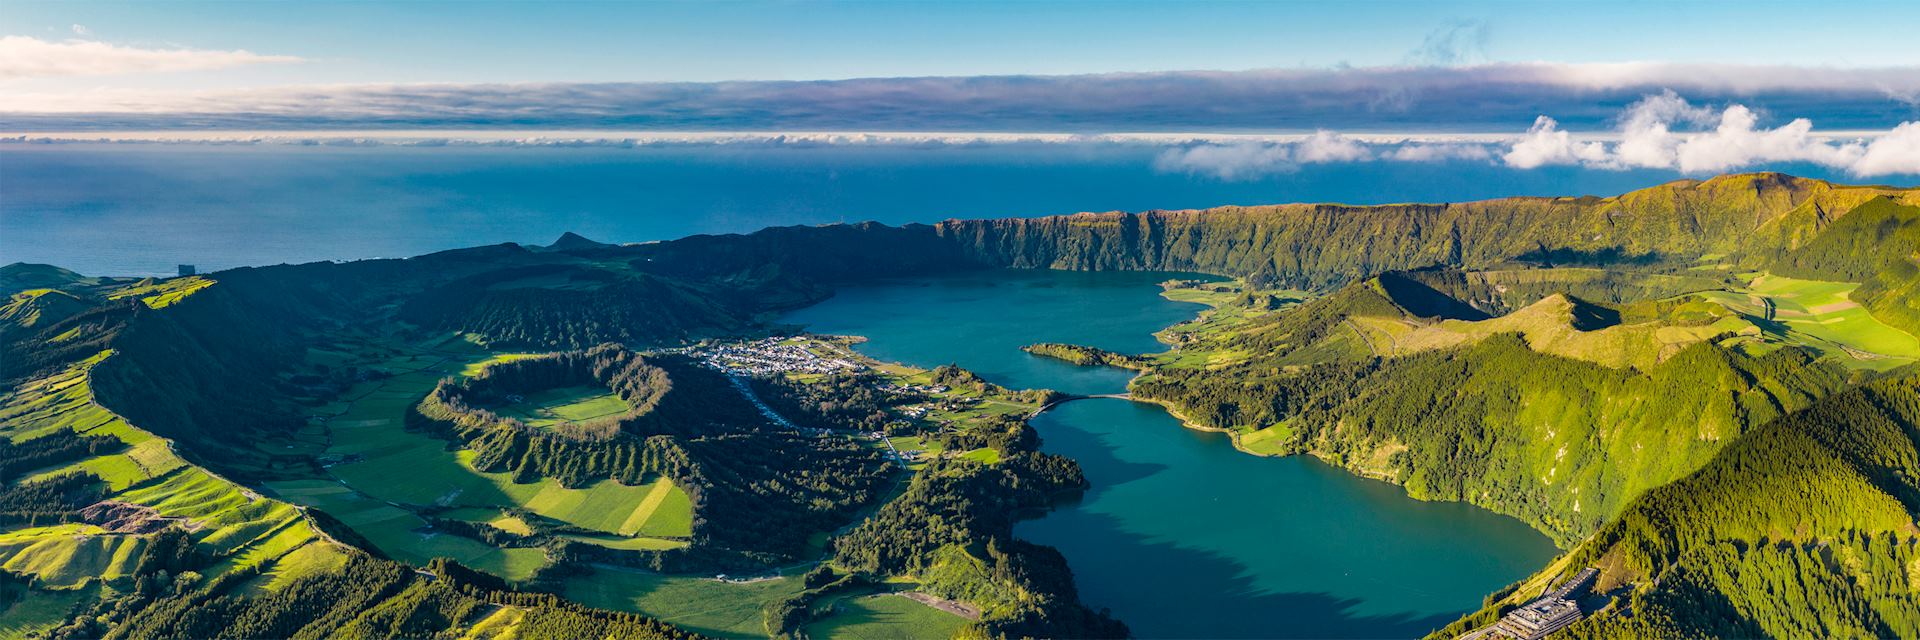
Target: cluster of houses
[
  {"x": 776, "y": 355},
  {"x": 1551, "y": 612},
  {"x": 772, "y": 355},
  {"x": 916, "y": 389}
]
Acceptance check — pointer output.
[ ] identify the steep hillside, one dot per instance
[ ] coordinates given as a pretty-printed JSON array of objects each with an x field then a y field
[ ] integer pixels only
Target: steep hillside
[
  {"x": 1886, "y": 234},
  {"x": 1801, "y": 528},
  {"x": 35, "y": 308},
  {"x": 21, "y": 276},
  {"x": 1320, "y": 246}
]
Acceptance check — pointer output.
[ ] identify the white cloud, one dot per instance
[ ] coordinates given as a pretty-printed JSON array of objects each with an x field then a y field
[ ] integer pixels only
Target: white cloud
[
  {"x": 1897, "y": 152},
  {"x": 81, "y": 30},
  {"x": 1439, "y": 152},
  {"x": 1648, "y": 139},
  {"x": 1654, "y": 133},
  {"x": 1327, "y": 146},
  {"x": 29, "y": 57},
  {"x": 1233, "y": 161},
  {"x": 1545, "y": 144}
]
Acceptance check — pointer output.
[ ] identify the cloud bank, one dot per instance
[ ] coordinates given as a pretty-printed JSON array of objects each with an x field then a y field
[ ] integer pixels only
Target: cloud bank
[
  {"x": 1651, "y": 136},
  {"x": 29, "y": 57},
  {"x": 1417, "y": 97},
  {"x": 1662, "y": 131}
]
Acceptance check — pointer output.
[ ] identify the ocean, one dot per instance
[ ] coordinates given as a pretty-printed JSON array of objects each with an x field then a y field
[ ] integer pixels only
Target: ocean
[{"x": 142, "y": 208}]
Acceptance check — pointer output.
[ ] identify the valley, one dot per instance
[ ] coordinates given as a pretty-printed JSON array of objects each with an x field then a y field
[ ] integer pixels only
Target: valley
[{"x": 1704, "y": 390}]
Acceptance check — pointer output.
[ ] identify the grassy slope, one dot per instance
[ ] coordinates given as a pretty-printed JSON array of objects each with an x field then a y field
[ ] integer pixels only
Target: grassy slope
[
  {"x": 703, "y": 605},
  {"x": 884, "y": 617},
  {"x": 1802, "y": 528},
  {"x": 1552, "y": 426},
  {"x": 232, "y": 526},
  {"x": 1745, "y": 217}
]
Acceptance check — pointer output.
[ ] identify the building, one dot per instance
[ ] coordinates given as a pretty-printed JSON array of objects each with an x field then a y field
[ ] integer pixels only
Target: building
[
  {"x": 1537, "y": 619},
  {"x": 1553, "y": 611}
]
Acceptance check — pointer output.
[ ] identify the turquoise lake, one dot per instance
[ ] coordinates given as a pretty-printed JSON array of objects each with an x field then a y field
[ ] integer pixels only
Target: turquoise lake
[{"x": 1182, "y": 536}]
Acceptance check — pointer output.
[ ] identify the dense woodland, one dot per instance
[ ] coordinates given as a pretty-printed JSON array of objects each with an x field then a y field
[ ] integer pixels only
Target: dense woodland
[
  {"x": 1087, "y": 356},
  {"x": 838, "y": 401},
  {"x": 953, "y": 531},
  {"x": 366, "y": 598}
]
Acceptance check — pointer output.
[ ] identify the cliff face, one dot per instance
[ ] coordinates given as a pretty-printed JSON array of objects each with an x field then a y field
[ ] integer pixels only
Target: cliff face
[{"x": 1748, "y": 217}]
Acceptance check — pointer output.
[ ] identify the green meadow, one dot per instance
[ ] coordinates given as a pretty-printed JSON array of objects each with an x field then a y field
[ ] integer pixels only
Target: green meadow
[
  {"x": 566, "y": 405},
  {"x": 884, "y": 616},
  {"x": 699, "y": 604},
  {"x": 37, "y": 610},
  {"x": 237, "y": 528},
  {"x": 1823, "y": 315},
  {"x": 387, "y": 470}
]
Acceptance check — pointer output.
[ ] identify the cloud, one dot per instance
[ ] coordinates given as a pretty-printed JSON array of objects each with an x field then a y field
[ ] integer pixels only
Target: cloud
[
  {"x": 1477, "y": 98},
  {"x": 1659, "y": 131},
  {"x": 81, "y": 30},
  {"x": 1233, "y": 161},
  {"x": 1545, "y": 144},
  {"x": 1665, "y": 131},
  {"x": 1242, "y": 160},
  {"x": 1649, "y": 140},
  {"x": 1327, "y": 147},
  {"x": 1439, "y": 152},
  {"x": 1458, "y": 43},
  {"x": 29, "y": 57},
  {"x": 1898, "y": 152}
]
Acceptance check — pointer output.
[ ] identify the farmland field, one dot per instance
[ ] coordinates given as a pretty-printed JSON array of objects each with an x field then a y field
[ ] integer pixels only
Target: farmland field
[{"x": 1822, "y": 315}]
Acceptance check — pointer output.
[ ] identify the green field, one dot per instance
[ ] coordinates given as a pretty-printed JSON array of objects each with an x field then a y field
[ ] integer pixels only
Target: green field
[
  {"x": 702, "y": 605},
  {"x": 982, "y": 455},
  {"x": 236, "y": 527},
  {"x": 566, "y": 405},
  {"x": 1822, "y": 315},
  {"x": 38, "y": 610},
  {"x": 401, "y": 534},
  {"x": 884, "y": 617},
  {"x": 385, "y": 465},
  {"x": 69, "y": 555}
]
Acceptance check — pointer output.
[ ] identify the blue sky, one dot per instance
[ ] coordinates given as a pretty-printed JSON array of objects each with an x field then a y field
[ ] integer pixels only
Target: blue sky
[{"x": 683, "y": 41}]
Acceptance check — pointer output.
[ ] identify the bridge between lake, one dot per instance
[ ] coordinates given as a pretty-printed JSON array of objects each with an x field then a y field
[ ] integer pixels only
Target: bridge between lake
[{"x": 1070, "y": 398}]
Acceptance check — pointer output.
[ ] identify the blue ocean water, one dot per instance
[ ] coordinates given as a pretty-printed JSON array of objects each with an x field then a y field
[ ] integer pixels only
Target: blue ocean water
[{"x": 139, "y": 209}]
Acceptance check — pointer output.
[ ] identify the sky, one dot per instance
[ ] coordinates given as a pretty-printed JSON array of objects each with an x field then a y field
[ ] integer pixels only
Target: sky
[
  {"x": 1696, "y": 86},
  {"x": 476, "y": 42}
]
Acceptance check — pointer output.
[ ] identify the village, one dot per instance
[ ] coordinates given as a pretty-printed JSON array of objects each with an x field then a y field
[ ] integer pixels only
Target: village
[{"x": 813, "y": 356}]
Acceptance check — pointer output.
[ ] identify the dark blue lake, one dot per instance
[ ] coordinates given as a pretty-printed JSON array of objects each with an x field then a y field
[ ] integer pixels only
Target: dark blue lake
[{"x": 1181, "y": 535}]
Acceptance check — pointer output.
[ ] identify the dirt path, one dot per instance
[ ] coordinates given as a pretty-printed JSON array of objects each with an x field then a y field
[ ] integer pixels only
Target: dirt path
[{"x": 950, "y": 606}]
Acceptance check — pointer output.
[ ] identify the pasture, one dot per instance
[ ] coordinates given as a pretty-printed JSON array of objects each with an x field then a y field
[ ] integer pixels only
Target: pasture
[
  {"x": 884, "y": 616},
  {"x": 702, "y": 605},
  {"x": 235, "y": 526},
  {"x": 1822, "y": 315},
  {"x": 36, "y": 611},
  {"x": 554, "y": 407},
  {"x": 383, "y": 465}
]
